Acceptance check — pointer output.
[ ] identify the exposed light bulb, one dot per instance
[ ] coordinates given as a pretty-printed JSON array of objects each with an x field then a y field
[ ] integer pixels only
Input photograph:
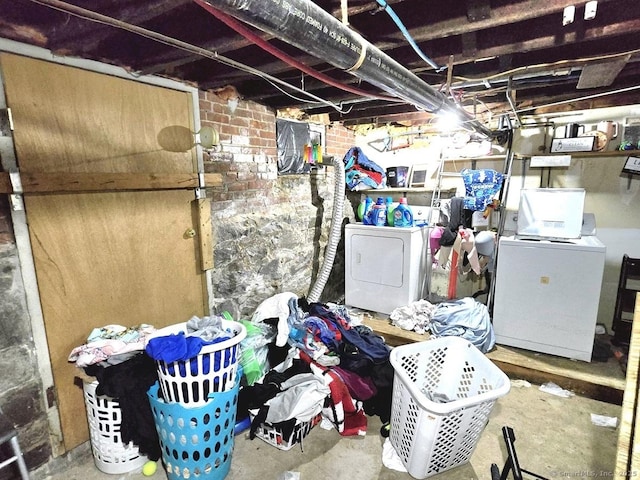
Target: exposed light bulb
[
  {"x": 590, "y": 10},
  {"x": 448, "y": 122},
  {"x": 568, "y": 15}
]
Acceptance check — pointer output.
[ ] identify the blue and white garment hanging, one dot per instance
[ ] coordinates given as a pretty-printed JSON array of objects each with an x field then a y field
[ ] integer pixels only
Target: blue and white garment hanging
[{"x": 480, "y": 187}]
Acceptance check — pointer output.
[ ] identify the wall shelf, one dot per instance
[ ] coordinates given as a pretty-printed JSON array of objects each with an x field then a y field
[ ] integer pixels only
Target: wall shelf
[
  {"x": 609, "y": 153},
  {"x": 474, "y": 159}
]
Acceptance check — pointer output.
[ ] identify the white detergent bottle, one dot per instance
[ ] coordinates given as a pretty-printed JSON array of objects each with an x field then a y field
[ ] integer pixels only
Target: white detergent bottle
[{"x": 402, "y": 215}]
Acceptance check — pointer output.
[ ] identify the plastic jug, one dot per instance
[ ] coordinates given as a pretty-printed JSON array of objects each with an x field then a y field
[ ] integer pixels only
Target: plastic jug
[
  {"x": 378, "y": 213},
  {"x": 389, "y": 209},
  {"x": 402, "y": 215},
  {"x": 363, "y": 210}
]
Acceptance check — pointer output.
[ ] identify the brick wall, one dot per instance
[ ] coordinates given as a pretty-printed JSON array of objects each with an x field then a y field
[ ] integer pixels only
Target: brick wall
[
  {"x": 339, "y": 139},
  {"x": 247, "y": 154}
]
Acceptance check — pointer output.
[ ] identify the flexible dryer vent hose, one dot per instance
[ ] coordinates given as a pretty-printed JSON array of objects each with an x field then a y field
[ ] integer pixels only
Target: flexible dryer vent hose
[{"x": 335, "y": 232}]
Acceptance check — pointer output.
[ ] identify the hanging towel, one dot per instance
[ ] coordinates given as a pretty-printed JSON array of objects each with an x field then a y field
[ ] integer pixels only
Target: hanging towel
[{"x": 480, "y": 187}]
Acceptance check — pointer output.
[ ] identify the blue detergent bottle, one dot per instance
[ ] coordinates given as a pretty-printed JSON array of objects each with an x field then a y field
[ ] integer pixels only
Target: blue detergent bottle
[
  {"x": 379, "y": 213},
  {"x": 402, "y": 215},
  {"x": 366, "y": 211}
]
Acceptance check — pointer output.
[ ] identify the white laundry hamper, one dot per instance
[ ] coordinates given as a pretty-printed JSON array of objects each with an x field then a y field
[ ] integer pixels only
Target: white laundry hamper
[
  {"x": 431, "y": 437},
  {"x": 190, "y": 382},
  {"x": 111, "y": 455}
]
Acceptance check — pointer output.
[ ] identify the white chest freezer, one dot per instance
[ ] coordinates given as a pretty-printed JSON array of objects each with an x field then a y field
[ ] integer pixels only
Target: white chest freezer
[
  {"x": 385, "y": 267},
  {"x": 547, "y": 295}
]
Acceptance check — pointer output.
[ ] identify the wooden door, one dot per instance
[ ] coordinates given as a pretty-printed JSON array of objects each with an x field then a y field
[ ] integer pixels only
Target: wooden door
[{"x": 103, "y": 257}]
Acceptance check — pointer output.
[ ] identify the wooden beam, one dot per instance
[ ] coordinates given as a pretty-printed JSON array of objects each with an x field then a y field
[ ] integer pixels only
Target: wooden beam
[
  {"x": 205, "y": 233},
  {"x": 5, "y": 183},
  {"x": 106, "y": 182},
  {"x": 87, "y": 35},
  {"x": 500, "y": 16},
  {"x": 628, "y": 455},
  {"x": 591, "y": 380},
  {"x": 393, "y": 335},
  {"x": 544, "y": 41}
]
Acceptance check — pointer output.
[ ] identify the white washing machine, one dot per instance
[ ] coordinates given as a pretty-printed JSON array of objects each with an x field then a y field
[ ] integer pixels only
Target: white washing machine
[
  {"x": 547, "y": 295},
  {"x": 385, "y": 267}
]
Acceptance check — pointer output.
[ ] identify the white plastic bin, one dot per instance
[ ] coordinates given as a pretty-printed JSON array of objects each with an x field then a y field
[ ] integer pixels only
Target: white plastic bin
[
  {"x": 432, "y": 436},
  {"x": 213, "y": 370},
  {"x": 275, "y": 437},
  {"x": 111, "y": 455}
]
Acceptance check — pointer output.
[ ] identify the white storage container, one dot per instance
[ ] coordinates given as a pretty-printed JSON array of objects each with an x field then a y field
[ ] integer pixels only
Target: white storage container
[
  {"x": 111, "y": 455},
  {"x": 431, "y": 436}
]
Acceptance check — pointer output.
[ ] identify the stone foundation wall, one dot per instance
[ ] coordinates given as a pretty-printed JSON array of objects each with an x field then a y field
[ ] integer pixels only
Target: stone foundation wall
[
  {"x": 20, "y": 383},
  {"x": 270, "y": 231}
]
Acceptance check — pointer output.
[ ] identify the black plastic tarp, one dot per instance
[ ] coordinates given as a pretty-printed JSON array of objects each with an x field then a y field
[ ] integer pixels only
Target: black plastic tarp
[{"x": 291, "y": 139}]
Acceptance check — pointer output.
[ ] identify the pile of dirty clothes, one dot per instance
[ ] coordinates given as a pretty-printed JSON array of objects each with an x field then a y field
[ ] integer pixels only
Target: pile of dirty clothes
[
  {"x": 123, "y": 361},
  {"x": 332, "y": 367},
  {"x": 463, "y": 317},
  {"x": 362, "y": 173}
]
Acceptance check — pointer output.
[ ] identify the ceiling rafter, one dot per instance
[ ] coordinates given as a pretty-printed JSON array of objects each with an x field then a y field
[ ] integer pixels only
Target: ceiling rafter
[{"x": 489, "y": 42}]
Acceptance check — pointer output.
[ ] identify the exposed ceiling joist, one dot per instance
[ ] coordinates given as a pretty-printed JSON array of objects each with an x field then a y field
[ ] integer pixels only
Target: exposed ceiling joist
[{"x": 489, "y": 41}]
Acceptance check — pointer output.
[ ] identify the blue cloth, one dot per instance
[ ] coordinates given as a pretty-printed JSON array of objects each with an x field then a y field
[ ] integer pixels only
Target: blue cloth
[
  {"x": 174, "y": 347},
  {"x": 466, "y": 318},
  {"x": 480, "y": 187},
  {"x": 182, "y": 348},
  {"x": 355, "y": 342},
  {"x": 320, "y": 328}
]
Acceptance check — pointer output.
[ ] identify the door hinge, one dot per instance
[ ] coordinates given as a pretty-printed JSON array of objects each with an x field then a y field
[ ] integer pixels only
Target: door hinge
[{"x": 51, "y": 396}]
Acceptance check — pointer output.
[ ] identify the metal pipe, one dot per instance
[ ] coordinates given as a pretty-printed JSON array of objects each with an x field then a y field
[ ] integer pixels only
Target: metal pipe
[{"x": 306, "y": 26}]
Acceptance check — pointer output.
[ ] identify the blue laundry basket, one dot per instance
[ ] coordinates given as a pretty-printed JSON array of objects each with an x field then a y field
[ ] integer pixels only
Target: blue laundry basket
[{"x": 196, "y": 442}]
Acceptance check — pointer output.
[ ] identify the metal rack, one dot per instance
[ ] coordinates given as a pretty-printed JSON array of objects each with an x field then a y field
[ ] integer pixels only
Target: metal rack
[{"x": 506, "y": 135}]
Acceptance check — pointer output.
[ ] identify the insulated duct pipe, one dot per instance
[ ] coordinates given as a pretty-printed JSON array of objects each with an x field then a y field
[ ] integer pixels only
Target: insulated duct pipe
[
  {"x": 306, "y": 26},
  {"x": 335, "y": 232}
]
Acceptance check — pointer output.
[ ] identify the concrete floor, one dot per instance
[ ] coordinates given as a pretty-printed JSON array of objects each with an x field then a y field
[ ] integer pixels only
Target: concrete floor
[{"x": 555, "y": 438}]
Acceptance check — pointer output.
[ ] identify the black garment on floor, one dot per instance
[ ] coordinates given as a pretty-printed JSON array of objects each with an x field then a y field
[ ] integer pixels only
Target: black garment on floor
[
  {"x": 255, "y": 396},
  {"x": 128, "y": 382},
  {"x": 602, "y": 351},
  {"x": 382, "y": 377}
]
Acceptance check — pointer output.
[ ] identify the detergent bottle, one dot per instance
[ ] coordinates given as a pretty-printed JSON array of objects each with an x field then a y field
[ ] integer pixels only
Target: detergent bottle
[
  {"x": 402, "y": 215},
  {"x": 378, "y": 213},
  {"x": 363, "y": 210},
  {"x": 389, "y": 210}
]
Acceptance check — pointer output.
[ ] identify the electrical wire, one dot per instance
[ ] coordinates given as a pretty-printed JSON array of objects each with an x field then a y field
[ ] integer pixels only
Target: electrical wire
[
  {"x": 560, "y": 63},
  {"x": 172, "y": 42},
  {"x": 584, "y": 97},
  {"x": 387, "y": 8},
  {"x": 260, "y": 42}
]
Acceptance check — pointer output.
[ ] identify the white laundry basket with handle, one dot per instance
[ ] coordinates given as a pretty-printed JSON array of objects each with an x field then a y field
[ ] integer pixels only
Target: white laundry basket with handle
[{"x": 443, "y": 392}]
